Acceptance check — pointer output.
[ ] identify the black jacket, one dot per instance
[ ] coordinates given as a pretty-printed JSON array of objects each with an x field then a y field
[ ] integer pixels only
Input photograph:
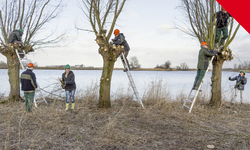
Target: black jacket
[
  {"x": 222, "y": 19},
  {"x": 120, "y": 40},
  {"x": 28, "y": 81},
  {"x": 70, "y": 81}
]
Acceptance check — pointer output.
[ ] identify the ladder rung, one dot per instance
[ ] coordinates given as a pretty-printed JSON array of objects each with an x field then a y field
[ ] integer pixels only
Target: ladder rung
[
  {"x": 40, "y": 101},
  {"x": 187, "y": 100},
  {"x": 186, "y": 106}
]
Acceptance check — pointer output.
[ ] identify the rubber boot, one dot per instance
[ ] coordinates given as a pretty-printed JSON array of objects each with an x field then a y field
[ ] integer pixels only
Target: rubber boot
[
  {"x": 222, "y": 42},
  {"x": 73, "y": 106},
  {"x": 125, "y": 70},
  {"x": 197, "y": 85},
  {"x": 194, "y": 84},
  {"x": 67, "y": 106}
]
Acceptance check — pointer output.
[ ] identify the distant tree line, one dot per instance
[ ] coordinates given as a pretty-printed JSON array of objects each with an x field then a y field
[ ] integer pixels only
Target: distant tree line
[
  {"x": 243, "y": 66},
  {"x": 3, "y": 65},
  {"x": 167, "y": 65}
]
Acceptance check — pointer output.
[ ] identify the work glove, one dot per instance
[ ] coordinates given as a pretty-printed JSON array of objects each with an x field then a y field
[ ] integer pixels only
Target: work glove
[
  {"x": 242, "y": 81},
  {"x": 229, "y": 78}
]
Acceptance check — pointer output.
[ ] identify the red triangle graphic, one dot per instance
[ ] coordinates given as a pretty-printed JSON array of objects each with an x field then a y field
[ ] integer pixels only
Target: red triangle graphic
[{"x": 239, "y": 10}]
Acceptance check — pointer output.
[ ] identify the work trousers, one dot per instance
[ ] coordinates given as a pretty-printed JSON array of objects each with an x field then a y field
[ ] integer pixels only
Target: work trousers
[
  {"x": 235, "y": 95},
  {"x": 29, "y": 98},
  {"x": 198, "y": 78},
  {"x": 224, "y": 31}
]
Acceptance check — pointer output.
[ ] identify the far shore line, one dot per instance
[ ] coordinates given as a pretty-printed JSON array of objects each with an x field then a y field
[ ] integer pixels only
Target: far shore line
[{"x": 141, "y": 69}]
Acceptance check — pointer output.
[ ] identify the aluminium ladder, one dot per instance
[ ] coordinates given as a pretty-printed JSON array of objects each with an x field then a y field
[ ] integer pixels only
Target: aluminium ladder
[
  {"x": 192, "y": 97},
  {"x": 125, "y": 64},
  {"x": 21, "y": 62}
]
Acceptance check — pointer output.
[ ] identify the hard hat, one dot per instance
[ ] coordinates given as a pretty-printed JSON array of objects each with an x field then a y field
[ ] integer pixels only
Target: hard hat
[
  {"x": 243, "y": 71},
  {"x": 204, "y": 43},
  {"x": 116, "y": 31},
  {"x": 21, "y": 30},
  {"x": 222, "y": 8},
  {"x": 67, "y": 66},
  {"x": 31, "y": 65}
]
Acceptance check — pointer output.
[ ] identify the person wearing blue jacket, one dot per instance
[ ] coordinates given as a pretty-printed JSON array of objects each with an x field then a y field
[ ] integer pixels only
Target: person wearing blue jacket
[
  {"x": 29, "y": 86},
  {"x": 120, "y": 40},
  {"x": 241, "y": 81}
]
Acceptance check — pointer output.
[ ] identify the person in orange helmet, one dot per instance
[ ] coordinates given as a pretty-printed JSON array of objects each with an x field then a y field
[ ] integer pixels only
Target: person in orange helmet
[
  {"x": 203, "y": 60},
  {"x": 120, "y": 40},
  {"x": 221, "y": 26},
  {"x": 29, "y": 86}
]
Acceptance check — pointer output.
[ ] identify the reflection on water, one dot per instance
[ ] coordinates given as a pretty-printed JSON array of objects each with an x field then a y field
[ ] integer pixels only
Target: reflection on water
[{"x": 174, "y": 81}]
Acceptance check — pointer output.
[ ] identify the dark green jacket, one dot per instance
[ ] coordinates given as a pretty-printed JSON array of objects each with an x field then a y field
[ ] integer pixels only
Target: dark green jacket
[
  {"x": 204, "y": 57},
  {"x": 15, "y": 35}
]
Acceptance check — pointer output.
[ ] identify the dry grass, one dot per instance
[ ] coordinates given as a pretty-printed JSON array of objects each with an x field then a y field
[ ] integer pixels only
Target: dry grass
[{"x": 163, "y": 124}]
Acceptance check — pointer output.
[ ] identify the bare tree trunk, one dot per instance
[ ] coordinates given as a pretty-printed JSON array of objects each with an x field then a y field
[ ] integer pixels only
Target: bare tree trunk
[
  {"x": 105, "y": 83},
  {"x": 13, "y": 72},
  {"x": 216, "y": 82}
]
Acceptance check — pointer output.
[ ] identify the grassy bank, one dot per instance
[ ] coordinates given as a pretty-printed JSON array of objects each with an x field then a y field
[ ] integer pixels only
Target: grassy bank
[{"x": 163, "y": 124}]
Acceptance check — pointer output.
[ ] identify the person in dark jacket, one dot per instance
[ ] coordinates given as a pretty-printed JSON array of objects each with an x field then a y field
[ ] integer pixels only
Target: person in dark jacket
[
  {"x": 221, "y": 26},
  {"x": 16, "y": 37},
  {"x": 241, "y": 81},
  {"x": 68, "y": 78},
  {"x": 120, "y": 40},
  {"x": 203, "y": 60},
  {"x": 29, "y": 86}
]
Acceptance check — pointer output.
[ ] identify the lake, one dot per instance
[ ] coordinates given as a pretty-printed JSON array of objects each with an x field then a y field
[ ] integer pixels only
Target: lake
[{"x": 174, "y": 81}]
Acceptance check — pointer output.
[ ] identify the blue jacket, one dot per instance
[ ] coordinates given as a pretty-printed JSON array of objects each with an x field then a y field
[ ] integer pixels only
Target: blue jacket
[
  {"x": 28, "y": 81},
  {"x": 120, "y": 40},
  {"x": 239, "y": 79}
]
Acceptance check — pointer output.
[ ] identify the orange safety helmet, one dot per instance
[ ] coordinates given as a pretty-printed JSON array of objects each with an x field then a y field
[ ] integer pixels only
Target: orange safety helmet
[
  {"x": 204, "y": 43},
  {"x": 31, "y": 65},
  {"x": 116, "y": 31},
  {"x": 222, "y": 8}
]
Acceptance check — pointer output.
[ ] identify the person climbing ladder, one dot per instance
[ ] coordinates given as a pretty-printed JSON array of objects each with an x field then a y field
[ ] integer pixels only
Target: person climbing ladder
[
  {"x": 120, "y": 40},
  {"x": 203, "y": 60}
]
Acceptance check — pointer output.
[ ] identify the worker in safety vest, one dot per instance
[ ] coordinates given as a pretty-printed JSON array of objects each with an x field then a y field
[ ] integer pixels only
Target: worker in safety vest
[
  {"x": 120, "y": 40},
  {"x": 29, "y": 86},
  {"x": 241, "y": 81},
  {"x": 16, "y": 37},
  {"x": 221, "y": 26},
  {"x": 203, "y": 60}
]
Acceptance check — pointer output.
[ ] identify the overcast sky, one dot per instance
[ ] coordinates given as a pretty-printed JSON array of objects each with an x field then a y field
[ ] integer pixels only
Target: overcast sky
[{"x": 148, "y": 28}]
